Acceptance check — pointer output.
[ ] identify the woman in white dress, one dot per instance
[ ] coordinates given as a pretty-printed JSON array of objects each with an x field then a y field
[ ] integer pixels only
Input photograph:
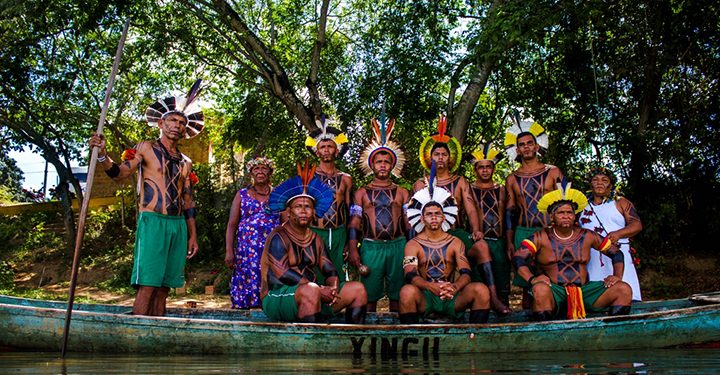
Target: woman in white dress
[{"x": 614, "y": 217}]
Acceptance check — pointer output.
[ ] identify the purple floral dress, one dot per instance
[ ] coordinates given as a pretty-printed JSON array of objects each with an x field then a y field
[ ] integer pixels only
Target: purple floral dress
[{"x": 253, "y": 228}]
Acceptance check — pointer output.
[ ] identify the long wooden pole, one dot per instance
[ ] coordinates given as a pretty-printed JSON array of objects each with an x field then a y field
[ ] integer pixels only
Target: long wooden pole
[{"x": 88, "y": 187}]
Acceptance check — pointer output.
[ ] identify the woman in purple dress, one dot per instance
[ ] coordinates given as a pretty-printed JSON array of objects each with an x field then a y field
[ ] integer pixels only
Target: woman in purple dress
[{"x": 248, "y": 227}]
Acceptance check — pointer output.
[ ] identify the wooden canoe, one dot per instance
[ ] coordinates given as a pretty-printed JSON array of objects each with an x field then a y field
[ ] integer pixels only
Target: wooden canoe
[{"x": 27, "y": 324}]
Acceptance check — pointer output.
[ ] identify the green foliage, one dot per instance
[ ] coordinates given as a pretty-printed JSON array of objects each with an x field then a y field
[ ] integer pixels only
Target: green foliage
[
  {"x": 213, "y": 204},
  {"x": 11, "y": 178},
  {"x": 7, "y": 275}
]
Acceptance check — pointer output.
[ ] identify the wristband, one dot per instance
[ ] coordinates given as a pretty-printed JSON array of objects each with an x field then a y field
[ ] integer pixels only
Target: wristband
[
  {"x": 101, "y": 159},
  {"x": 530, "y": 280}
]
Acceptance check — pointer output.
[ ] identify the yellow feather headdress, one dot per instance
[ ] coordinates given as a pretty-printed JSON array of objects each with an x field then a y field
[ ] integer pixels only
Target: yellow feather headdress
[
  {"x": 563, "y": 194},
  {"x": 441, "y": 136},
  {"x": 485, "y": 152},
  {"x": 518, "y": 126}
]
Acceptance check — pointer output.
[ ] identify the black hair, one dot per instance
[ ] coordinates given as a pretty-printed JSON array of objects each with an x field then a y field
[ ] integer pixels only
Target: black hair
[
  {"x": 431, "y": 204},
  {"x": 560, "y": 203},
  {"x": 523, "y": 134},
  {"x": 439, "y": 145}
]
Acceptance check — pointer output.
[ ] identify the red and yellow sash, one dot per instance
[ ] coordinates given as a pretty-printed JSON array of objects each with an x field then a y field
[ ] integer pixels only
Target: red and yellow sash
[{"x": 575, "y": 305}]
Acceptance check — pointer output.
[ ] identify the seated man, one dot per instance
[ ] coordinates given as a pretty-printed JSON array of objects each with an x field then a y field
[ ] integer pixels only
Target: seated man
[
  {"x": 561, "y": 253},
  {"x": 431, "y": 259},
  {"x": 292, "y": 253}
]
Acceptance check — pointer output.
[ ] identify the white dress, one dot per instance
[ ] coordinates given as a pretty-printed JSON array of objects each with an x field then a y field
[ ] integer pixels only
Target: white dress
[{"x": 600, "y": 266}]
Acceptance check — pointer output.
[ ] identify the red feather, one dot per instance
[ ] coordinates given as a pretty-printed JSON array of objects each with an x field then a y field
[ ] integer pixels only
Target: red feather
[
  {"x": 389, "y": 129},
  {"x": 442, "y": 126}
]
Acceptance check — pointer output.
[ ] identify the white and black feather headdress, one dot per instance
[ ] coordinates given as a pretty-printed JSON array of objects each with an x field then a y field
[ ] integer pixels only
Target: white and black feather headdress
[
  {"x": 186, "y": 106},
  {"x": 432, "y": 193}
]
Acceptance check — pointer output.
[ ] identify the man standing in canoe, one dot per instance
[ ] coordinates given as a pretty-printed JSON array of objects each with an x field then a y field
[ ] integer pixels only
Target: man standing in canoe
[
  {"x": 561, "y": 253},
  {"x": 165, "y": 235},
  {"x": 328, "y": 144},
  {"x": 293, "y": 253},
  {"x": 490, "y": 198},
  {"x": 378, "y": 217},
  {"x": 524, "y": 142},
  {"x": 431, "y": 260}
]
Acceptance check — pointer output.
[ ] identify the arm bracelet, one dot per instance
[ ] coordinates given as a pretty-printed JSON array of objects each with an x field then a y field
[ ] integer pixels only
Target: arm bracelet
[
  {"x": 410, "y": 276},
  {"x": 114, "y": 171},
  {"x": 190, "y": 213},
  {"x": 353, "y": 234},
  {"x": 617, "y": 257},
  {"x": 356, "y": 210},
  {"x": 510, "y": 218}
]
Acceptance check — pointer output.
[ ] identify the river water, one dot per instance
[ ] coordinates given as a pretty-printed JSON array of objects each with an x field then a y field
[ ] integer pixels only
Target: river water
[{"x": 665, "y": 361}]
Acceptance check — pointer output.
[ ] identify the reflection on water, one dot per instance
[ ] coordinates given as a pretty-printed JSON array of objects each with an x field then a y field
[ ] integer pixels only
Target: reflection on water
[{"x": 679, "y": 361}]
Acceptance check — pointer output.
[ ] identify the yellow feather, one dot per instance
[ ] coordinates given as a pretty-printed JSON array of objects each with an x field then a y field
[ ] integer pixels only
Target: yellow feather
[
  {"x": 510, "y": 139},
  {"x": 492, "y": 153},
  {"x": 536, "y": 129},
  {"x": 341, "y": 139},
  {"x": 310, "y": 142}
]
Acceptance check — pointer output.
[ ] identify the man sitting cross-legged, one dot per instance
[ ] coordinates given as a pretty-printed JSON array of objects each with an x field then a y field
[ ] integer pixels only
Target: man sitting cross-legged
[
  {"x": 431, "y": 259},
  {"x": 561, "y": 253},
  {"x": 292, "y": 253}
]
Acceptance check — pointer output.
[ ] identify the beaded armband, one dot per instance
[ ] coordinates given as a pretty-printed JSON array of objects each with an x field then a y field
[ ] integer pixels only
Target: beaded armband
[
  {"x": 356, "y": 210},
  {"x": 410, "y": 261}
]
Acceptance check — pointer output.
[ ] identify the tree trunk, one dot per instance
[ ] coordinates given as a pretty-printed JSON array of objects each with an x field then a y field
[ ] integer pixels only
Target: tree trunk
[
  {"x": 68, "y": 217},
  {"x": 460, "y": 120}
]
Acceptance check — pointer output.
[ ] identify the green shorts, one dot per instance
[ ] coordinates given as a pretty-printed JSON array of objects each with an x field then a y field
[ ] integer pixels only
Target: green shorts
[
  {"x": 590, "y": 292},
  {"x": 279, "y": 304},
  {"x": 433, "y": 304},
  {"x": 522, "y": 233},
  {"x": 334, "y": 240},
  {"x": 464, "y": 236},
  {"x": 500, "y": 265},
  {"x": 161, "y": 244},
  {"x": 384, "y": 258}
]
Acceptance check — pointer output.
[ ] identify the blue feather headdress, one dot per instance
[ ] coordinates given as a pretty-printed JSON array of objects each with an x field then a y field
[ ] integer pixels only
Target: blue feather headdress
[
  {"x": 182, "y": 105},
  {"x": 302, "y": 185},
  {"x": 381, "y": 142},
  {"x": 432, "y": 193}
]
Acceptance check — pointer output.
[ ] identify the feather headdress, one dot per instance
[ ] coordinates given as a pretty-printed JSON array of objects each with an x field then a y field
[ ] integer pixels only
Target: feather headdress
[
  {"x": 324, "y": 132},
  {"x": 302, "y": 185},
  {"x": 594, "y": 171},
  {"x": 432, "y": 193},
  {"x": 485, "y": 152},
  {"x": 260, "y": 160},
  {"x": 183, "y": 105},
  {"x": 563, "y": 194},
  {"x": 441, "y": 137},
  {"x": 518, "y": 126},
  {"x": 382, "y": 130}
]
